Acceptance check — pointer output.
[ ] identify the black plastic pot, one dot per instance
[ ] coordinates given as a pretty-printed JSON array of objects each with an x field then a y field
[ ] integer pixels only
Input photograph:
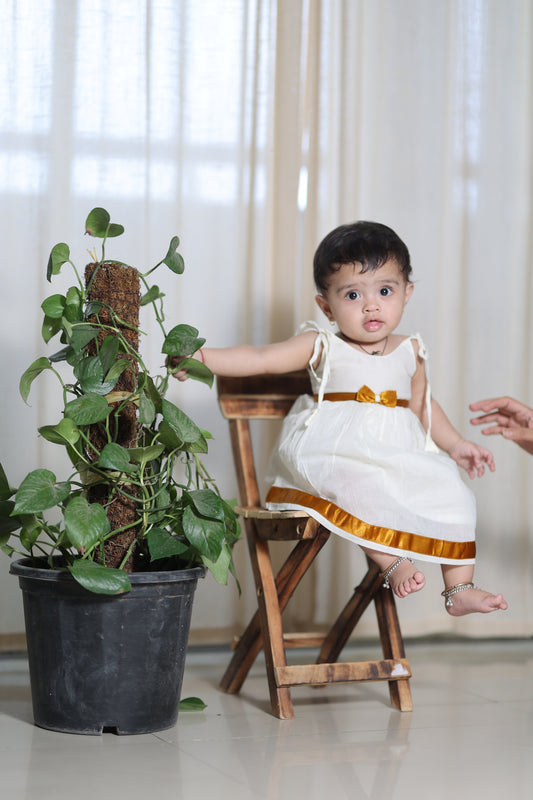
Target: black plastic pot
[{"x": 106, "y": 663}]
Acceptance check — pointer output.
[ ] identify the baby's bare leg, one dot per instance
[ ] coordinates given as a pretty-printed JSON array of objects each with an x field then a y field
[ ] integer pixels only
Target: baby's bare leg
[
  {"x": 468, "y": 601},
  {"x": 404, "y": 579}
]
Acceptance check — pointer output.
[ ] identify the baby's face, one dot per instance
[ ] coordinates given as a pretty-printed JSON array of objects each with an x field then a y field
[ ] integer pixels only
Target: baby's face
[{"x": 367, "y": 306}]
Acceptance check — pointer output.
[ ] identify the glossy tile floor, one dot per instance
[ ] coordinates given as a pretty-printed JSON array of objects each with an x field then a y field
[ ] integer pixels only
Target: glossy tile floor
[{"x": 470, "y": 735}]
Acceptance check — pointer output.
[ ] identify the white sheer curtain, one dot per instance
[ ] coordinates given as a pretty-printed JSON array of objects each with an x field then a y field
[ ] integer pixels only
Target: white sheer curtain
[{"x": 251, "y": 128}]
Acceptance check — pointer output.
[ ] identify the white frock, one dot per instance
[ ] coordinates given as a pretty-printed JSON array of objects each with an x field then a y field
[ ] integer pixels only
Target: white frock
[{"x": 367, "y": 471}]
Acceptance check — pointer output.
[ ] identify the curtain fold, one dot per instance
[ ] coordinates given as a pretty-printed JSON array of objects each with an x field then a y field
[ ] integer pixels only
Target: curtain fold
[{"x": 251, "y": 137}]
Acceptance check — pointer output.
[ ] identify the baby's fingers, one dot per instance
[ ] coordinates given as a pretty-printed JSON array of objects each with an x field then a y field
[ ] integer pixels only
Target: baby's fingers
[
  {"x": 488, "y": 458},
  {"x": 476, "y": 465}
]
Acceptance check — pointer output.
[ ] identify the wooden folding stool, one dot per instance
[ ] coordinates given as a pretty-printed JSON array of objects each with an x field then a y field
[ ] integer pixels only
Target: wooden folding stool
[{"x": 265, "y": 397}]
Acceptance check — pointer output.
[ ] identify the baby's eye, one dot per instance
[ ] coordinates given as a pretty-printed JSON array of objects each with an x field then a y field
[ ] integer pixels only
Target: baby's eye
[
  {"x": 353, "y": 295},
  {"x": 385, "y": 291}
]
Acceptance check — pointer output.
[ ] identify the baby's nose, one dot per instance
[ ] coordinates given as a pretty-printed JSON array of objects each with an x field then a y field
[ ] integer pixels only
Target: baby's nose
[{"x": 371, "y": 304}]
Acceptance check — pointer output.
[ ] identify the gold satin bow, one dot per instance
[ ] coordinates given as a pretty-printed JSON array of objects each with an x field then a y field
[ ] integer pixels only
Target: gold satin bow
[{"x": 386, "y": 398}]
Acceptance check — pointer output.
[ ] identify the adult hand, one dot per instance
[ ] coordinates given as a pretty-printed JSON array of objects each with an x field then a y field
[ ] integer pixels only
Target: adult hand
[{"x": 508, "y": 417}]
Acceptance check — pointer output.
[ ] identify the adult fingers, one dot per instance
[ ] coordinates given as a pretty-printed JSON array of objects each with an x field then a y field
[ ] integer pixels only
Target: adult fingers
[{"x": 497, "y": 418}]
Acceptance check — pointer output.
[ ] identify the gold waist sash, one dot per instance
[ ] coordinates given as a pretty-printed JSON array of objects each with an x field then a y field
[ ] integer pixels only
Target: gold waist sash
[{"x": 365, "y": 395}]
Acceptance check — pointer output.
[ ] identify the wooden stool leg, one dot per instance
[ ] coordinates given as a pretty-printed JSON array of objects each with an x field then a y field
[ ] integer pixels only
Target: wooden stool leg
[
  {"x": 271, "y": 628},
  {"x": 288, "y": 578},
  {"x": 392, "y": 645}
]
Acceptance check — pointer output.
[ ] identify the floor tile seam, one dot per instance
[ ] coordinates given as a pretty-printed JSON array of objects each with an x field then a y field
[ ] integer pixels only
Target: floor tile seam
[
  {"x": 71, "y": 743},
  {"x": 316, "y": 734},
  {"x": 472, "y": 693},
  {"x": 209, "y": 764},
  {"x": 463, "y": 692}
]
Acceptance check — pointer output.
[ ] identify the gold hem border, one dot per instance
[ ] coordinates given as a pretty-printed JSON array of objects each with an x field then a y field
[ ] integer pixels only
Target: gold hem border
[{"x": 374, "y": 534}]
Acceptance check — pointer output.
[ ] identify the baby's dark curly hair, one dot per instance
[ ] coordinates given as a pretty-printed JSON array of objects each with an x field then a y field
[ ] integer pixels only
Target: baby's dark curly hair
[{"x": 370, "y": 244}]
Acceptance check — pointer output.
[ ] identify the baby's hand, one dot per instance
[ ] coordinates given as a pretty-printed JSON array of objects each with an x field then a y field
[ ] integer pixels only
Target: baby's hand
[
  {"x": 472, "y": 457},
  {"x": 172, "y": 362}
]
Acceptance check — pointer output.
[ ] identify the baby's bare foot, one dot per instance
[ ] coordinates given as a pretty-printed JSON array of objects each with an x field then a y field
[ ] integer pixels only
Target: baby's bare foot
[
  {"x": 405, "y": 578},
  {"x": 472, "y": 601}
]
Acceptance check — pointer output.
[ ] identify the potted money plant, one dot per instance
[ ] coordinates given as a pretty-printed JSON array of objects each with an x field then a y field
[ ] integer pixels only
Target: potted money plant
[{"x": 110, "y": 555}]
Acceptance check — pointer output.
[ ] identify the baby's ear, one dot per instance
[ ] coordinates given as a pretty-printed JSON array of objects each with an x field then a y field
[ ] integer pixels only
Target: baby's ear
[
  {"x": 409, "y": 288},
  {"x": 323, "y": 305}
]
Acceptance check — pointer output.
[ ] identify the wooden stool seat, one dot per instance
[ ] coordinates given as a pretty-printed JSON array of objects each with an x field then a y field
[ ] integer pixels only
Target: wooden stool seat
[{"x": 264, "y": 397}]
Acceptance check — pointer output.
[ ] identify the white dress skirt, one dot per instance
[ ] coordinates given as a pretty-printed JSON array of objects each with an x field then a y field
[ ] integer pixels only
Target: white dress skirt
[{"x": 368, "y": 471}]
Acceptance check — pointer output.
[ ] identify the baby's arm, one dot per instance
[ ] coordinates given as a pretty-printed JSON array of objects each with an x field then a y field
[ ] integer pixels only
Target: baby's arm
[
  {"x": 287, "y": 356},
  {"x": 466, "y": 454},
  {"x": 469, "y": 455}
]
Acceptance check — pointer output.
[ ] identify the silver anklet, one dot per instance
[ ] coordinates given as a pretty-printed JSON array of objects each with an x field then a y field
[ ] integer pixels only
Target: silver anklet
[
  {"x": 459, "y": 587},
  {"x": 385, "y": 576}
]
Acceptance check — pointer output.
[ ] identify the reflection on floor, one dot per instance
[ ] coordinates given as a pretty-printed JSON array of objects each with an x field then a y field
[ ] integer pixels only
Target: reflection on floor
[{"x": 470, "y": 734}]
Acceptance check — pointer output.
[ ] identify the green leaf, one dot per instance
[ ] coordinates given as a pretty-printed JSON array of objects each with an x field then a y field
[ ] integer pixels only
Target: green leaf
[
  {"x": 108, "y": 352},
  {"x": 199, "y": 446},
  {"x": 221, "y": 567},
  {"x": 50, "y": 327},
  {"x": 64, "y": 432},
  {"x": 85, "y": 523},
  {"x": 90, "y": 374},
  {"x": 182, "y": 340},
  {"x": 115, "y": 230},
  {"x": 153, "y": 293},
  {"x": 98, "y": 579},
  {"x": 61, "y": 355},
  {"x": 81, "y": 334},
  {"x": 146, "y": 410},
  {"x": 59, "y": 255},
  {"x": 88, "y": 409},
  {"x": 73, "y": 314},
  {"x": 94, "y": 308},
  {"x": 39, "y": 491},
  {"x": 173, "y": 259},
  {"x": 68, "y": 327},
  {"x": 141, "y": 455},
  {"x": 98, "y": 225},
  {"x": 30, "y": 374},
  {"x": 151, "y": 390},
  {"x": 163, "y": 544},
  {"x": 8, "y": 524},
  {"x": 6, "y": 491},
  {"x": 182, "y": 425},
  {"x": 73, "y": 297},
  {"x": 97, "y": 222},
  {"x": 172, "y": 441},
  {"x": 31, "y": 528},
  {"x": 115, "y": 457},
  {"x": 115, "y": 371},
  {"x": 205, "y": 535},
  {"x": 231, "y": 520},
  {"x": 192, "y": 704},
  {"x": 54, "y": 306},
  {"x": 207, "y": 503},
  {"x": 196, "y": 370}
]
